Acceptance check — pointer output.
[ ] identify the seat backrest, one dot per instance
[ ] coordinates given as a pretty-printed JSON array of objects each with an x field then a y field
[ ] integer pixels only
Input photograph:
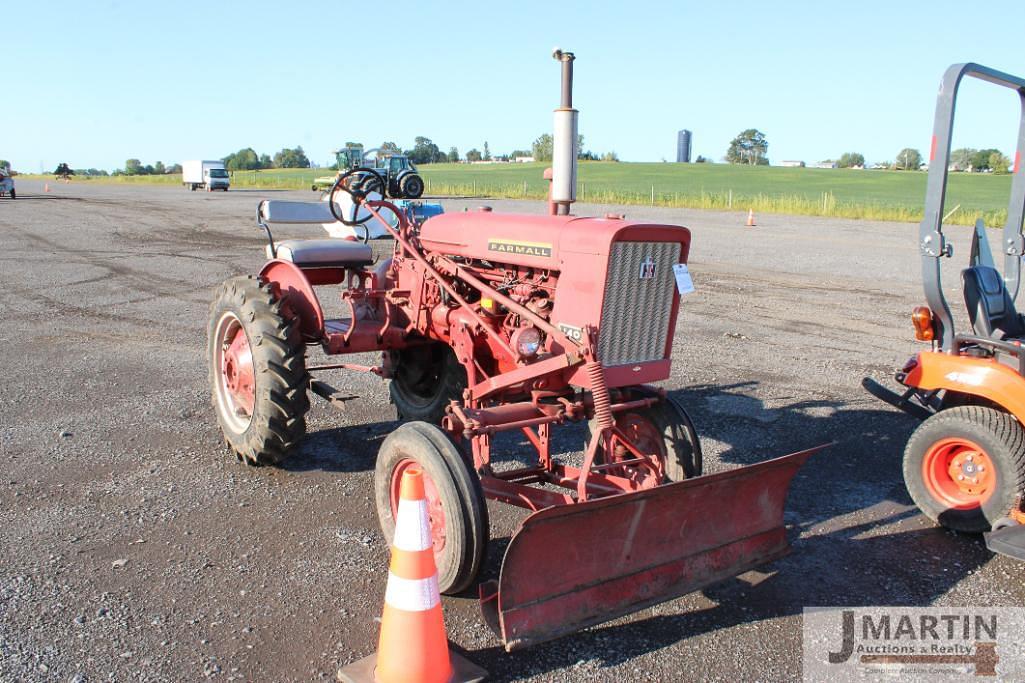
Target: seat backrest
[{"x": 989, "y": 305}]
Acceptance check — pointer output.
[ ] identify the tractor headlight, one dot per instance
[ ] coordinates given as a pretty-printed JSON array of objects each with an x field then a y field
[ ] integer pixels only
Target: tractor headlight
[{"x": 527, "y": 341}]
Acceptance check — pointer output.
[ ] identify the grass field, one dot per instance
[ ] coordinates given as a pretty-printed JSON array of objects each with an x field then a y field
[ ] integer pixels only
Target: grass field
[{"x": 880, "y": 195}]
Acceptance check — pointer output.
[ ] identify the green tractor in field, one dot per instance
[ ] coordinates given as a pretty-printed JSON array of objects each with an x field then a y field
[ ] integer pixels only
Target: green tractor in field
[
  {"x": 401, "y": 179},
  {"x": 347, "y": 158}
]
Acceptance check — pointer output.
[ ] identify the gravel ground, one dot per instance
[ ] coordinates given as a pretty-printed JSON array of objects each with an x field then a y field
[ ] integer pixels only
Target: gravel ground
[{"x": 134, "y": 547}]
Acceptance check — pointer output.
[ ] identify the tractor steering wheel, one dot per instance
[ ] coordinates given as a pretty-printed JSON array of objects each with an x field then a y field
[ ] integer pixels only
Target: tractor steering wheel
[{"x": 358, "y": 198}]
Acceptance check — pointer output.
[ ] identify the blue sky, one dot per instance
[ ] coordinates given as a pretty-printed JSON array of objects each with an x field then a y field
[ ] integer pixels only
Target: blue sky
[{"x": 95, "y": 83}]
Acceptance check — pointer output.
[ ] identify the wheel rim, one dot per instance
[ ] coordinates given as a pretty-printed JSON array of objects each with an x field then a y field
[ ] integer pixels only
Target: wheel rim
[
  {"x": 435, "y": 509},
  {"x": 235, "y": 374},
  {"x": 959, "y": 473},
  {"x": 645, "y": 436}
]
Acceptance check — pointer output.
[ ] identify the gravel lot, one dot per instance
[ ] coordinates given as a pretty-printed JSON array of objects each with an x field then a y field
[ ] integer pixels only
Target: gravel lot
[{"x": 134, "y": 547}]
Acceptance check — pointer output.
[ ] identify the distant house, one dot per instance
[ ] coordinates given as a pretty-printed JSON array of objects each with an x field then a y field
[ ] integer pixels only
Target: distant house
[
  {"x": 792, "y": 164},
  {"x": 523, "y": 160},
  {"x": 825, "y": 164}
]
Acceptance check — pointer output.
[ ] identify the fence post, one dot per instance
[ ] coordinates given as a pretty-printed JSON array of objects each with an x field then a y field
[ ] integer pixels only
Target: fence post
[
  {"x": 729, "y": 204},
  {"x": 474, "y": 187},
  {"x": 653, "y": 195}
]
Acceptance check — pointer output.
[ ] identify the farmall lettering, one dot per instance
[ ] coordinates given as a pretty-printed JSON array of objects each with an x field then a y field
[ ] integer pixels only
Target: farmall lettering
[{"x": 521, "y": 248}]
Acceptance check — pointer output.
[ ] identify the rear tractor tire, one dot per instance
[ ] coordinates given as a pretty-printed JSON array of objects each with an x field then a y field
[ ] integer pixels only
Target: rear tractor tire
[
  {"x": 427, "y": 378},
  {"x": 257, "y": 367},
  {"x": 964, "y": 467},
  {"x": 14, "y": 195},
  {"x": 455, "y": 502},
  {"x": 371, "y": 184}
]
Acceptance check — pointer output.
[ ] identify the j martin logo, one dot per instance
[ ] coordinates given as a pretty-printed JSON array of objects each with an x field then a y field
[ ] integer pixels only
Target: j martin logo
[
  {"x": 647, "y": 268},
  {"x": 913, "y": 644}
]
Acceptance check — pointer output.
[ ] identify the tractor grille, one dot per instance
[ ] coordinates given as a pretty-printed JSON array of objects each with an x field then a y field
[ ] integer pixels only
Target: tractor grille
[{"x": 636, "y": 310}]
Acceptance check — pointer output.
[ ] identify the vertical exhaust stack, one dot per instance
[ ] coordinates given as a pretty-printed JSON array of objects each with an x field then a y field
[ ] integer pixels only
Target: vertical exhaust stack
[{"x": 564, "y": 141}]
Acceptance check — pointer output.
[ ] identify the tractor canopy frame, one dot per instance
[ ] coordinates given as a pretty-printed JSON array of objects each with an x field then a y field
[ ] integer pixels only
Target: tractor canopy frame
[{"x": 932, "y": 243}]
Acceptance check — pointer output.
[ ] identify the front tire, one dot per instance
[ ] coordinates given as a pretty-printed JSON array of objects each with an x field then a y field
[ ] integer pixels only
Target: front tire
[
  {"x": 14, "y": 195},
  {"x": 426, "y": 380},
  {"x": 964, "y": 467},
  {"x": 664, "y": 430},
  {"x": 412, "y": 186},
  {"x": 257, "y": 368},
  {"x": 455, "y": 501}
]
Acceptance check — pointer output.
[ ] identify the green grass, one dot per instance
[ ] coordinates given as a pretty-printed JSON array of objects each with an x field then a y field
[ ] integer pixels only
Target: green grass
[{"x": 878, "y": 195}]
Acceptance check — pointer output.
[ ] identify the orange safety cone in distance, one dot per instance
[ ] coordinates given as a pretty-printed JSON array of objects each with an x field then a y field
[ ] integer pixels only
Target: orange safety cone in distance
[
  {"x": 750, "y": 218},
  {"x": 46, "y": 187},
  {"x": 412, "y": 645}
]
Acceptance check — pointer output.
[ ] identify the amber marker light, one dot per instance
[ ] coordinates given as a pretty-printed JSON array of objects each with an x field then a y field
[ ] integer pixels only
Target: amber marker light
[{"x": 921, "y": 318}]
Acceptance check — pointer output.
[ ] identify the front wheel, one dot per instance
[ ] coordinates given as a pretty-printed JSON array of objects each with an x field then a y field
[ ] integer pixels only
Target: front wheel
[
  {"x": 664, "y": 433},
  {"x": 964, "y": 467},
  {"x": 412, "y": 186},
  {"x": 456, "y": 509},
  {"x": 14, "y": 195},
  {"x": 257, "y": 371}
]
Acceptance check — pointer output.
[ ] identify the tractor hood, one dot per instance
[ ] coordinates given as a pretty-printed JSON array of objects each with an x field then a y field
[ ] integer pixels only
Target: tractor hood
[{"x": 538, "y": 241}]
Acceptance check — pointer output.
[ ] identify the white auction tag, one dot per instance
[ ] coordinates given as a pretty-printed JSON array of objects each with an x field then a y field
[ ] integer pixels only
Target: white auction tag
[{"x": 683, "y": 282}]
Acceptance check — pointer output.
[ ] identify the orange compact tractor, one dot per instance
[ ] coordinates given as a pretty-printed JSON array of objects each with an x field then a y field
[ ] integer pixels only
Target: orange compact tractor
[
  {"x": 964, "y": 466},
  {"x": 493, "y": 326}
]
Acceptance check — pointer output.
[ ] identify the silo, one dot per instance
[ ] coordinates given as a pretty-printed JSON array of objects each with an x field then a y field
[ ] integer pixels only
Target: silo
[{"x": 683, "y": 147}]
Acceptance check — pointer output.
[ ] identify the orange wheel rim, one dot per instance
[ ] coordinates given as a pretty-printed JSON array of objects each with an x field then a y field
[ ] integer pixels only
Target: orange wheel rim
[{"x": 959, "y": 473}]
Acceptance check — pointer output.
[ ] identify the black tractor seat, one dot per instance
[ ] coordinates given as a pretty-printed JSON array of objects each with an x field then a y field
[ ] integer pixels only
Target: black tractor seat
[
  {"x": 324, "y": 253},
  {"x": 990, "y": 307}
]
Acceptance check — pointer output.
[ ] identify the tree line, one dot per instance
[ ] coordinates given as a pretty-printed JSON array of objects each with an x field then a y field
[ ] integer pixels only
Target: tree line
[
  {"x": 426, "y": 151},
  {"x": 751, "y": 147}
]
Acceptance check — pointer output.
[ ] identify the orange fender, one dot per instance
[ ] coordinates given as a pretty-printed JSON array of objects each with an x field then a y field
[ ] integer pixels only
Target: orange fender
[{"x": 984, "y": 377}]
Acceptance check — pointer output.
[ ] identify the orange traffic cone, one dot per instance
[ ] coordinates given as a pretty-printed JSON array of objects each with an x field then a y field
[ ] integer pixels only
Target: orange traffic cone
[
  {"x": 750, "y": 218},
  {"x": 413, "y": 645},
  {"x": 46, "y": 187}
]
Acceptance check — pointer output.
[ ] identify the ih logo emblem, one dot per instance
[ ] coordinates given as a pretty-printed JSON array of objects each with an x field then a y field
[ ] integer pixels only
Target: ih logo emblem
[{"x": 647, "y": 268}]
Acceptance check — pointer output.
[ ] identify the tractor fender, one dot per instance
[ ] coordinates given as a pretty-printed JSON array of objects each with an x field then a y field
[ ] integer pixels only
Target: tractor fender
[
  {"x": 984, "y": 377},
  {"x": 292, "y": 285}
]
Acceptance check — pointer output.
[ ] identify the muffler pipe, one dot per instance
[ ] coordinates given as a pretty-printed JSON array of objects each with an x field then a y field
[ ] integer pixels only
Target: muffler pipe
[{"x": 564, "y": 141}]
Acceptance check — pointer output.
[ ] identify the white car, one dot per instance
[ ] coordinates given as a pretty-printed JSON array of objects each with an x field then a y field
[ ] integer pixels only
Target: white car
[{"x": 7, "y": 184}]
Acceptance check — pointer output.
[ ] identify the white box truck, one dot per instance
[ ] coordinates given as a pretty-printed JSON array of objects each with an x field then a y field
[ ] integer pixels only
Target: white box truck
[{"x": 210, "y": 175}]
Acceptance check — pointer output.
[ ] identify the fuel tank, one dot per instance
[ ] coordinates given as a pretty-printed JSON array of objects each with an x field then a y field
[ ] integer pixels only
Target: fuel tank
[{"x": 539, "y": 241}]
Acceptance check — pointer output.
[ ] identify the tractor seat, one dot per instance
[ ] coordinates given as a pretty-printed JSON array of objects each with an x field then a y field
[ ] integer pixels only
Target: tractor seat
[
  {"x": 327, "y": 253},
  {"x": 279, "y": 211},
  {"x": 990, "y": 307}
]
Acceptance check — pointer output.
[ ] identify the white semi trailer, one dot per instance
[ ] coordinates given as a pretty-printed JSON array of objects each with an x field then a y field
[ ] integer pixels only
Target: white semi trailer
[{"x": 210, "y": 175}]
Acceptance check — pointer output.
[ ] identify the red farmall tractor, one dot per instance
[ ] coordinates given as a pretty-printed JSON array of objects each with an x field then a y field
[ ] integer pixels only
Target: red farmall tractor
[{"x": 491, "y": 323}]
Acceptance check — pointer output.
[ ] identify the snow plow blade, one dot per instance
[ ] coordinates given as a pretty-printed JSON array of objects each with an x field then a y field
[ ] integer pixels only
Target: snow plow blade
[{"x": 572, "y": 566}]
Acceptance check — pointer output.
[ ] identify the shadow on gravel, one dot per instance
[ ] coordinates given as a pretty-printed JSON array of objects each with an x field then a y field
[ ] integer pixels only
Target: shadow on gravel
[
  {"x": 32, "y": 197},
  {"x": 341, "y": 449},
  {"x": 837, "y": 569}
]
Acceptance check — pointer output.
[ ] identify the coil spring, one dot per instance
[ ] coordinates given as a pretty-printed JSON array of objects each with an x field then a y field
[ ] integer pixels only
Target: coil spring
[{"x": 600, "y": 393}]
